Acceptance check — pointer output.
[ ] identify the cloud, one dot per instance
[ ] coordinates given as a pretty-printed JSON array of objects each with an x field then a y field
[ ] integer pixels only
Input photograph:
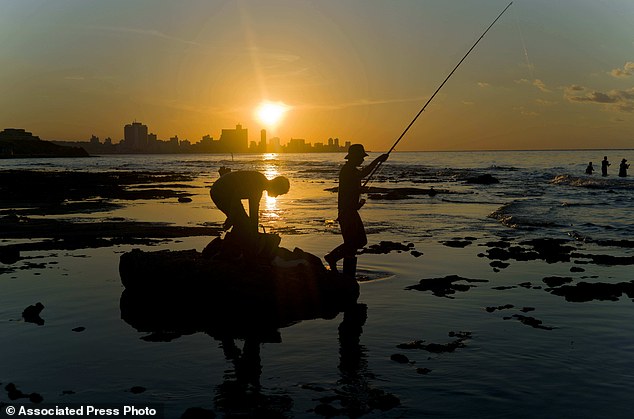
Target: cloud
[
  {"x": 360, "y": 102},
  {"x": 537, "y": 83},
  {"x": 619, "y": 100},
  {"x": 526, "y": 112},
  {"x": 545, "y": 102},
  {"x": 626, "y": 71},
  {"x": 540, "y": 85},
  {"x": 146, "y": 32}
]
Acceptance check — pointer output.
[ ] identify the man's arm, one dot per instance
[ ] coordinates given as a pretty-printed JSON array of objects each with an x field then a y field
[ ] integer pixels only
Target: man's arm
[
  {"x": 370, "y": 167},
  {"x": 254, "y": 210}
]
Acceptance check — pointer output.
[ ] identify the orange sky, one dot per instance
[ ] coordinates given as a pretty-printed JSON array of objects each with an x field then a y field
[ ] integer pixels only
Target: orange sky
[{"x": 547, "y": 75}]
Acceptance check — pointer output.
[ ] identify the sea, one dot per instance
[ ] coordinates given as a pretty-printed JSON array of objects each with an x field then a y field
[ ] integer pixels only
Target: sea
[{"x": 500, "y": 342}]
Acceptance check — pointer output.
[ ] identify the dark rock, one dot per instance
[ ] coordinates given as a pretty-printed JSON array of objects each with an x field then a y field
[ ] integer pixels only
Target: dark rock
[
  {"x": 35, "y": 398},
  {"x": 556, "y": 281},
  {"x": 504, "y": 307},
  {"x": 527, "y": 309},
  {"x": 530, "y": 321},
  {"x": 607, "y": 260},
  {"x": 589, "y": 291},
  {"x": 184, "y": 199},
  {"x": 576, "y": 269},
  {"x": 137, "y": 390},
  {"x": 9, "y": 255},
  {"x": 174, "y": 293},
  {"x": 547, "y": 249},
  {"x": 437, "y": 347},
  {"x": 14, "y": 394},
  {"x": 31, "y": 314},
  {"x": 423, "y": 371},
  {"x": 79, "y": 329},
  {"x": 444, "y": 287},
  {"x": 499, "y": 264},
  {"x": 485, "y": 179},
  {"x": 400, "y": 358},
  {"x": 381, "y": 400},
  {"x": 457, "y": 243},
  {"x": 385, "y": 247}
]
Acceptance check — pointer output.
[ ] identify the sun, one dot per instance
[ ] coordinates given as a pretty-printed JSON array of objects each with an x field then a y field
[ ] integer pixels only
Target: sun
[{"x": 271, "y": 113}]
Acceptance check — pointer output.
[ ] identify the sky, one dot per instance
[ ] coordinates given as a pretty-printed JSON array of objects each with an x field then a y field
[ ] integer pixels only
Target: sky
[{"x": 550, "y": 74}]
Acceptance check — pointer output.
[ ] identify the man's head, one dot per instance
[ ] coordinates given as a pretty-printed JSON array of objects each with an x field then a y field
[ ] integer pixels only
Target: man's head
[
  {"x": 278, "y": 186},
  {"x": 356, "y": 153}
]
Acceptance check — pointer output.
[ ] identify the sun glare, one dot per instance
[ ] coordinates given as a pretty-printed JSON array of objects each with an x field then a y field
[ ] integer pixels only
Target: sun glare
[{"x": 271, "y": 113}]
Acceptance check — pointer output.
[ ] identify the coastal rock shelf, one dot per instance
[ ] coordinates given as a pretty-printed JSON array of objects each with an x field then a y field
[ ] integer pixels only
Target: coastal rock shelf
[{"x": 188, "y": 291}]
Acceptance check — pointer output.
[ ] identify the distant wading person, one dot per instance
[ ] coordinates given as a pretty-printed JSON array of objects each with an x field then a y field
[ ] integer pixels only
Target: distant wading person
[
  {"x": 589, "y": 169},
  {"x": 228, "y": 191},
  {"x": 349, "y": 203},
  {"x": 623, "y": 168},
  {"x": 604, "y": 166}
]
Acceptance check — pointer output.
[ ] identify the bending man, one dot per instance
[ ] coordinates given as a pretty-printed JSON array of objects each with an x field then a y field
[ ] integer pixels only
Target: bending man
[
  {"x": 228, "y": 191},
  {"x": 348, "y": 205}
]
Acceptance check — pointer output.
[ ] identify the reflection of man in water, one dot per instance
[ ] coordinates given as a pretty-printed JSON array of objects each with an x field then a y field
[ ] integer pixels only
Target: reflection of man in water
[
  {"x": 604, "y": 166},
  {"x": 228, "y": 191},
  {"x": 349, "y": 203}
]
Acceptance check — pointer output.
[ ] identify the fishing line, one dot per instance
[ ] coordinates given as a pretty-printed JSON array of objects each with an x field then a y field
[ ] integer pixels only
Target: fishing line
[
  {"x": 528, "y": 61},
  {"x": 437, "y": 90}
]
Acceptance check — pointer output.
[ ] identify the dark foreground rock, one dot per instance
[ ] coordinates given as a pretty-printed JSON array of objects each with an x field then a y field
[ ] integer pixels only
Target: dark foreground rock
[
  {"x": 31, "y": 188},
  {"x": 188, "y": 291},
  {"x": 31, "y": 314},
  {"x": 589, "y": 291},
  {"x": 485, "y": 179},
  {"x": 445, "y": 287}
]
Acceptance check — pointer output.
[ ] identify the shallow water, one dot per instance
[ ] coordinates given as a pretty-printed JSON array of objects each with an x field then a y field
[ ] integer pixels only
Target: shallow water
[{"x": 582, "y": 367}]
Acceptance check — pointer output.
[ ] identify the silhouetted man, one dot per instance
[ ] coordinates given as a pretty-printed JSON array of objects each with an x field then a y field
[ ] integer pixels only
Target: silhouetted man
[
  {"x": 623, "y": 168},
  {"x": 604, "y": 166},
  {"x": 349, "y": 203},
  {"x": 228, "y": 191}
]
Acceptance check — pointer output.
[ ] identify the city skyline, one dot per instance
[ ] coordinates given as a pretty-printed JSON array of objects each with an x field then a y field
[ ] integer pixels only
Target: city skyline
[
  {"x": 547, "y": 75},
  {"x": 138, "y": 138}
]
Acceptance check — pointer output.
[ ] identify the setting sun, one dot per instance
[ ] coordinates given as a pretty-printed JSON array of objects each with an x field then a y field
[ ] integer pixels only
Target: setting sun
[{"x": 271, "y": 113}]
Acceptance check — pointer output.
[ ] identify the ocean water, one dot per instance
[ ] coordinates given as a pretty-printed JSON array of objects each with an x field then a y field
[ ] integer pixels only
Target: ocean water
[{"x": 520, "y": 349}]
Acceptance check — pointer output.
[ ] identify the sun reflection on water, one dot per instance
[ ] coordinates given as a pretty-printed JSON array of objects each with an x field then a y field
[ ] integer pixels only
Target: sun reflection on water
[{"x": 270, "y": 171}]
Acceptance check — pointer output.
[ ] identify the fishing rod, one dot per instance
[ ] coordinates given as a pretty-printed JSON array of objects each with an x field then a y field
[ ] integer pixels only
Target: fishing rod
[{"x": 437, "y": 90}]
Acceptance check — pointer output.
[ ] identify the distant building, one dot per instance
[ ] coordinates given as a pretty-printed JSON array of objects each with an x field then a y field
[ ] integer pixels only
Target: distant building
[
  {"x": 275, "y": 145},
  {"x": 262, "y": 145},
  {"x": 234, "y": 140},
  {"x": 297, "y": 145},
  {"x": 135, "y": 136}
]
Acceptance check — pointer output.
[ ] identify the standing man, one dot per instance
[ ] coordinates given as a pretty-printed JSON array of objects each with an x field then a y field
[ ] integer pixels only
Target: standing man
[
  {"x": 348, "y": 204},
  {"x": 604, "y": 166},
  {"x": 623, "y": 168}
]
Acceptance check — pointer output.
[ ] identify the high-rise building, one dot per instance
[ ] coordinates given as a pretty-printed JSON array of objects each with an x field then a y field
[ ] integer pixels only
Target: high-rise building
[
  {"x": 135, "y": 136},
  {"x": 262, "y": 146}
]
